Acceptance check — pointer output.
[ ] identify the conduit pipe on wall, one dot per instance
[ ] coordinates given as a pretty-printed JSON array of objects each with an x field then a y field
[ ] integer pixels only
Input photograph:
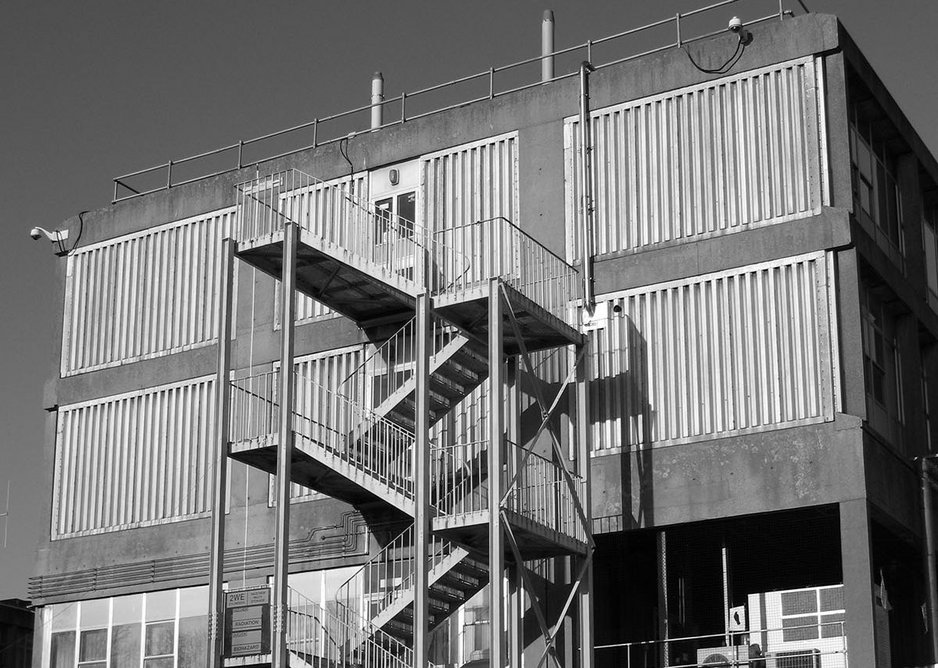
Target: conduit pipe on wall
[
  {"x": 586, "y": 200},
  {"x": 377, "y": 101},
  {"x": 547, "y": 46}
]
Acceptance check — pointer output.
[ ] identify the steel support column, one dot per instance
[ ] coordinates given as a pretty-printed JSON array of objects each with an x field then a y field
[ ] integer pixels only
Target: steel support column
[
  {"x": 220, "y": 458},
  {"x": 422, "y": 486},
  {"x": 280, "y": 658},
  {"x": 495, "y": 464},
  {"x": 516, "y": 586},
  {"x": 585, "y": 464}
]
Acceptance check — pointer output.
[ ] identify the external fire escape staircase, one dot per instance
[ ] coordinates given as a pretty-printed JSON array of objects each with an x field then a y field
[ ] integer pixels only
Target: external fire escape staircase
[{"x": 359, "y": 440}]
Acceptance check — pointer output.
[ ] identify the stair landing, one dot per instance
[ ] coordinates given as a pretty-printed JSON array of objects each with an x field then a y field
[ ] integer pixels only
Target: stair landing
[{"x": 345, "y": 282}]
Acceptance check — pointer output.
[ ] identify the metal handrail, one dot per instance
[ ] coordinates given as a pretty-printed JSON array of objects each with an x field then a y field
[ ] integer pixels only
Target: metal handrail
[
  {"x": 834, "y": 645},
  {"x": 404, "y": 96},
  {"x": 512, "y": 225},
  {"x": 329, "y": 638},
  {"x": 392, "y": 364},
  {"x": 388, "y": 575}
]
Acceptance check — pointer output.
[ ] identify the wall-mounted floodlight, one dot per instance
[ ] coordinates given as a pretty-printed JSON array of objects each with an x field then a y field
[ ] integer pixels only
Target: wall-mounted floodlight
[{"x": 57, "y": 237}]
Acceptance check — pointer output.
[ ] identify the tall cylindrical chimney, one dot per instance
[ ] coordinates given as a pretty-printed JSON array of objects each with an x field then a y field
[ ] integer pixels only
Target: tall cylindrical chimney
[
  {"x": 547, "y": 45},
  {"x": 377, "y": 101}
]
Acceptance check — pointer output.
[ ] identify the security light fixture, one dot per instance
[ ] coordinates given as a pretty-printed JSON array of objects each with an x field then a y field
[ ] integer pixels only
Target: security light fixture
[{"x": 57, "y": 237}]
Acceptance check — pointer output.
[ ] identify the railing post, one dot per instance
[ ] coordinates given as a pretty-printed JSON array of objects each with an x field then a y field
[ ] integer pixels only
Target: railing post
[
  {"x": 585, "y": 464},
  {"x": 403, "y": 109},
  {"x": 677, "y": 22},
  {"x": 421, "y": 453},
  {"x": 315, "y": 132},
  {"x": 491, "y": 82},
  {"x": 240, "y": 153},
  {"x": 169, "y": 174},
  {"x": 496, "y": 484},
  {"x": 115, "y": 190},
  {"x": 280, "y": 657},
  {"x": 220, "y": 458}
]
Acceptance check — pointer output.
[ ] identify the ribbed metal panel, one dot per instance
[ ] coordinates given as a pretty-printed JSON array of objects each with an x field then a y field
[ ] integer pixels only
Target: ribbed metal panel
[
  {"x": 736, "y": 351},
  {"x": 469, "y": 183},
  {"x": 320, "y": 207},
  {"x": 334, "y": 369},
  {"x": 143, "y": 295},
  {"x": 712, "y": 159},
  {"x": 134, "y": 459}
]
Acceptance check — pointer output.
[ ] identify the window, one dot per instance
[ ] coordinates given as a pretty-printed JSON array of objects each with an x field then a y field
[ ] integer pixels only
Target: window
[
  {"x": 930, "y": 242},
  {"x": 875, "y": 190},
  {"x": 395, "y": 214},
  {"x": 93, "y": 652},
  {"x": 809, "y": 614},
  {"x": 929, "y": 444},
  {"x": 160, "y": 644},
  {"x": 881, "y": 368},
  {"x": 166, "y": 629}
]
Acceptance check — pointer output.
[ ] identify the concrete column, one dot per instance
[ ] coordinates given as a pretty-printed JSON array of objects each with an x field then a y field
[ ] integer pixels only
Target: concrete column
[
  {"x": 850, "y": 326},
  {"x": 220, "y": 459},
  {"x": 838, "y": 142},
  {"x": 280, "y": 656},
  {"x": 422, "y": 475},
  {"x": 857, "y": 558},
  {"x": 496, "y": 484}
]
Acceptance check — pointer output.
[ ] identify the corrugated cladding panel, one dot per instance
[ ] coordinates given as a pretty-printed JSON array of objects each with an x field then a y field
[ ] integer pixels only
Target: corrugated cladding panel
[
  {"x": 144, "y": 294},
  {"x": 135, "y": 459},
  {"x": 321, "y": 207},
  {"x": 333, "y": 369},
  {"x": 712, "y": 159},
  {"x": 465, "y": 184},
  {"x": 736, "y": 351},
  {"x": 467, "y": 422}
]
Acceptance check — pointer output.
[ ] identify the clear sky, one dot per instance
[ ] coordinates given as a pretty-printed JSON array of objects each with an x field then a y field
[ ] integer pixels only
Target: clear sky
[{"x": 91, "y": 90}]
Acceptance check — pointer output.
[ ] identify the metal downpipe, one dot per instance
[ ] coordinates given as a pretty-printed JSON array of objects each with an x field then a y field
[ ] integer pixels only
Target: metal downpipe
[{"x": 586, "y": 200}]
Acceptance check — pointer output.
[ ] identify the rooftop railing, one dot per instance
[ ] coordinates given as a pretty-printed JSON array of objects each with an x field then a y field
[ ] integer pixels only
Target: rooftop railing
[{"x": 488, "y": 84}]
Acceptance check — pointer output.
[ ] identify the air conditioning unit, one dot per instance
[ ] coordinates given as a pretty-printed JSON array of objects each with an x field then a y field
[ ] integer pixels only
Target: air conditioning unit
[{"x": 723, "y": 656}]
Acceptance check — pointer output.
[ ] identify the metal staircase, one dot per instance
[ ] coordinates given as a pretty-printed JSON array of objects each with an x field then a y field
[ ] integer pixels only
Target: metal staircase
[
  {"x": 357, "y": 440},
  {"x": 320, "y": 638}
]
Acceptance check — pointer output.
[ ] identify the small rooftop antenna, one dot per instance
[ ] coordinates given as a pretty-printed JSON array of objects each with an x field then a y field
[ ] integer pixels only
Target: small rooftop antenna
[{"x": 5, "y": 516}]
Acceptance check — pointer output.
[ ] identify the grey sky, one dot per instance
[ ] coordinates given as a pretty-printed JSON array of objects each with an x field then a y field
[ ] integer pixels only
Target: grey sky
[{"x": 91, "y": 90}]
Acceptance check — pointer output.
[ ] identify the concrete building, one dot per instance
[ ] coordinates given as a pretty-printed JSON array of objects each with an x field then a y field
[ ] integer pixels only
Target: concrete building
[
  {"x": 16, "y": 633},
  {"x": 706, "y": 347}
]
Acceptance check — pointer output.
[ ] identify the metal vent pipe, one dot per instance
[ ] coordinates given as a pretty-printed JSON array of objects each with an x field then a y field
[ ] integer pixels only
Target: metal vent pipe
[
  {"x": 547, "y": 45},
  {"x": 377, "y": 101}
]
